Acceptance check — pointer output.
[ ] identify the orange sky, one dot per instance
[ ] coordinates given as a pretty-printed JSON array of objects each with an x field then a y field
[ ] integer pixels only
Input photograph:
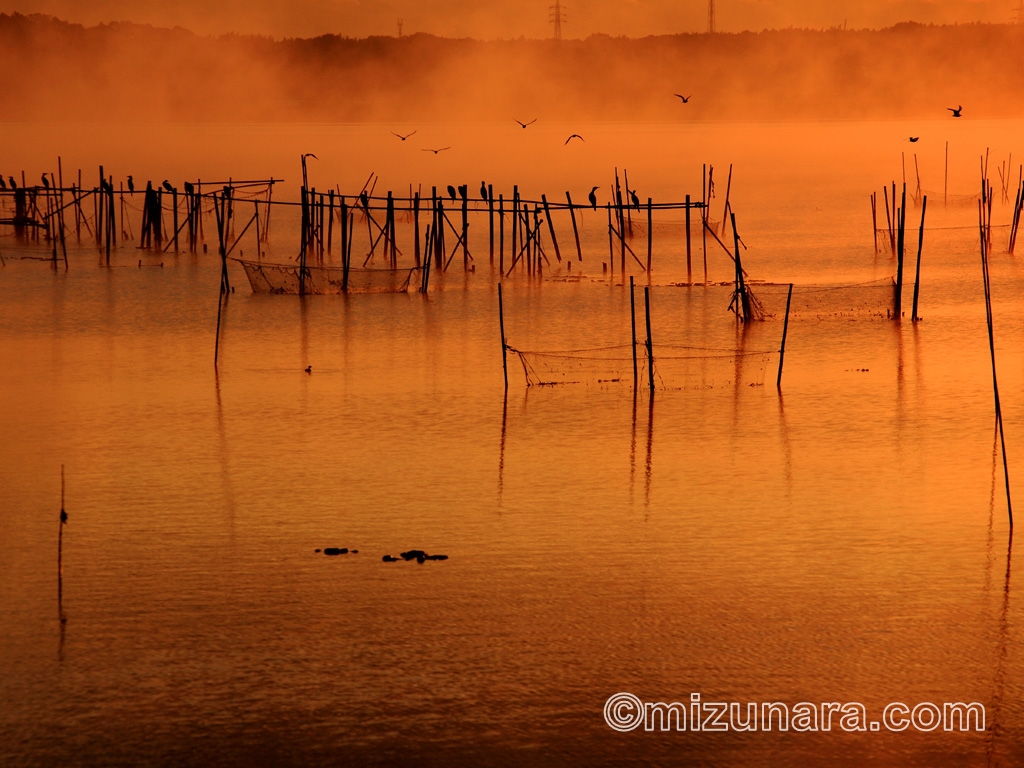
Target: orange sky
[{"x": 510, "y": 18}]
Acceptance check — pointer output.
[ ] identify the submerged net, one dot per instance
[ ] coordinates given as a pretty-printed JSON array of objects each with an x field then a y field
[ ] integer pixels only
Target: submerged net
[
  {"x": 872, "y": 300},
  {"x": 284, "y": 278},
  {"x": 675, "y": 367}
]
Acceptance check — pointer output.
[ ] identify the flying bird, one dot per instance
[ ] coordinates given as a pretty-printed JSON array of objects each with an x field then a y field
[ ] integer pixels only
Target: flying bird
[
  {"x": 685, "y": 99},
  {"x": 435, "y": 151},
  {"x": 593, "y": 198},
  {"x": 403, "y": 138},
  {"x": 956, "y": 112},
  {"x": 574, "y": 136},
  {"x": 913, "y": 139},
  {"x": 131, "y": 185},
  {"x": 451, "y": 192},
  {"x": 526, "y": 124},
  {"x": 167, "y": 186}
]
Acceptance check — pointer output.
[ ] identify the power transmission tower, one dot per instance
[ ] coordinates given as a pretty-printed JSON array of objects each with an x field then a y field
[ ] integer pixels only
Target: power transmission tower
[
  {"x": 400, "y": 23},
  {"x": 557, "y": 17},
  {"x": 711, "y": 17}
]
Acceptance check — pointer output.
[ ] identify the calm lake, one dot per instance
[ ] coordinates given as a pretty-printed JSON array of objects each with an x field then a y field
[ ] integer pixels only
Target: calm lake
[{"x": 845, "y": 540}]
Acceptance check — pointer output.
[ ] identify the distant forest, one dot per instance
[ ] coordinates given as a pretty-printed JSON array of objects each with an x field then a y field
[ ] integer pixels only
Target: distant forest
[{"x": 61, "y": 71}]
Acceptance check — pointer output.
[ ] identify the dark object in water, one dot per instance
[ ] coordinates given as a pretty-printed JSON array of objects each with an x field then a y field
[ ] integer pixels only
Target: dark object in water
[
  {"x": 336, "y": 550},
  {"x": 413, "y": 554},
  {"x": 389, "y": 559},
  {"x": 436, "y": 557},
  {"x": 309, "y": 369}
]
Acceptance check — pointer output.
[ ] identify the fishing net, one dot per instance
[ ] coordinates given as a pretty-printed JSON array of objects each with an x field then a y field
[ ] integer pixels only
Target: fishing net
[
  {"x": 284, "y": 278},
  {"x": 675, "y": 367},
  {"x": 871, "y": 300}
]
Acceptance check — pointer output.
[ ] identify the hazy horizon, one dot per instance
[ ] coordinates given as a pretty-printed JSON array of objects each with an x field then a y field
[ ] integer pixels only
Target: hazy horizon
[{"x": 504, "y": 19}]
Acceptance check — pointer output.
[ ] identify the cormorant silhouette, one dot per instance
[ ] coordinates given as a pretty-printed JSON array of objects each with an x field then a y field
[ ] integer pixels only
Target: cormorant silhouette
[
  {"x": 451, "y": 192},
  {"x": 189, "y": 189},
  {"x": 685, "y": 99},
  {"x": 3, "y": 184},
  {"x": 131, "y": 184},
  {"x": 13, "y": 183},
  {"x": 593, "y": 198},
  {"x": 403, "y": 138},
  {"x": 483, "y": 190},
  {"x": 574, "y": 136},
  {"x": 435, "y": 151},
  {"x": 46, "y": 181},
  {"x": 526, "y": 124},
  {"x": 365, "y": 200},
  {"x": 956, "y": 112},
  {"x": 464, "y": 191},
  {"x": 167, "y": 186},
  {"x": 635, "y": 199}
]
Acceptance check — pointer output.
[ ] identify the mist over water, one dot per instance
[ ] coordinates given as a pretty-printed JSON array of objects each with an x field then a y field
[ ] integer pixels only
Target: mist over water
[{"x": 845, "y": 540}]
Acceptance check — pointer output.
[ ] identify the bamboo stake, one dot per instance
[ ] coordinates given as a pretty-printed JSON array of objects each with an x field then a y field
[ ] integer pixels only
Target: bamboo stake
[
  {"x": 490, "y": 219},
  {"x": 575, "y": 229},
  {"x": 650, "y": 343},
  {"x": 689, "y": 270},
  {"x": 920, "y": 246},
  {"x": 504, "y": 345},
  {"x": 551, "y": 227},
  {"x": 785, "y": 332},
  {"x": 650, "y": 236},
  {"x": 632, "y": 324}
]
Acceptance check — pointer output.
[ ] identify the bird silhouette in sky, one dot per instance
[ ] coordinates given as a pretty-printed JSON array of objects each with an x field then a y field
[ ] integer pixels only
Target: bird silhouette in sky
[
  {"x": 635, "y": 199},
  {"x": 593, "y": 198},
  {"x": 913, "y": 139},
  {"x": 956, "y": 112},
  {"x": 526, "y": 124},
  {"x": 131, "y": 184},
  {"x": 167, "y": 186},
  {"x": 435, "y": 151},
  {"x": 451, "y": 192},
  {"x": 684, "y": 99},
  {"x": 403, "y": 138},
  {"x": 574, "y": 136}
]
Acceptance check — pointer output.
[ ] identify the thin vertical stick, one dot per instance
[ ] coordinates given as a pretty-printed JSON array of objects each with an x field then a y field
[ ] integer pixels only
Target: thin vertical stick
[
  {"x": 785, "y": 332},
  {"x": 504, "y": 346},
  {"x": 575, "y": 229},
  {"x": 416, "y": 227},
  {"x": 632, "y": 323},
  {"x": 501, "y": 233},
  {"x": 689, "y": 271},
  {"x": 874, "y": 220},
  {"x": 60, "y": 530},
  {"x": 490, "y": 219},
  {"x": 551, "y": 227},
  {"x": 611, "y": 246},
  {"x": 650, "y": 343},
  {"x": 945, "y": 178},
  {"x": 650, "y": 236},
  {"x": 920, "y": 246},
  {"x": 992, "y": 351},
  {"x": 901, "y": 218}
]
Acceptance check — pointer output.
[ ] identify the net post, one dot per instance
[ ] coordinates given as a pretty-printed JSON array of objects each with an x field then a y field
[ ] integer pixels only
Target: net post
[
  {"x": 920, "y": 246},
  {"x": 689, "y": 270},
  {"x": 504, "y": 346},
  {"x": 632, "y": 323},
  {"x": 650, "y": 344},
  {"x": 785, "y": 332}
]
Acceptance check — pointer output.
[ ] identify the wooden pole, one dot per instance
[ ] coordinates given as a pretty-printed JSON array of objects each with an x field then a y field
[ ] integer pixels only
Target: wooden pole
[
  {"x": 992, "y": 352},
  {"x": 689, "y": 269},
  {"x": 504, "y": 346},
  {"x": 874, "y": 220},
  {"x": 611, "y": 246},
  {"x": 501, "y": 233},
  {"x": 920, "y": 246},
  {"x": 785, "y": 332},
  {"x": 901, "y": 219},
  {"x": 575, "y": 228},
  {"x": 330, "y": 222},
  {"x": 632, "y": 324},
  {"x": 416, "y": 227},
  {"x": 551, "y": 227},
  {"x": 650, "y": 343},
  {"x": 650, "y": 236},
  {"x": 490, "y": 219}
]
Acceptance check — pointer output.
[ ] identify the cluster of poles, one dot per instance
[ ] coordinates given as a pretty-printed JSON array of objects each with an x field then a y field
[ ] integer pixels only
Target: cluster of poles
[{"x": 896, "y": 230}]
